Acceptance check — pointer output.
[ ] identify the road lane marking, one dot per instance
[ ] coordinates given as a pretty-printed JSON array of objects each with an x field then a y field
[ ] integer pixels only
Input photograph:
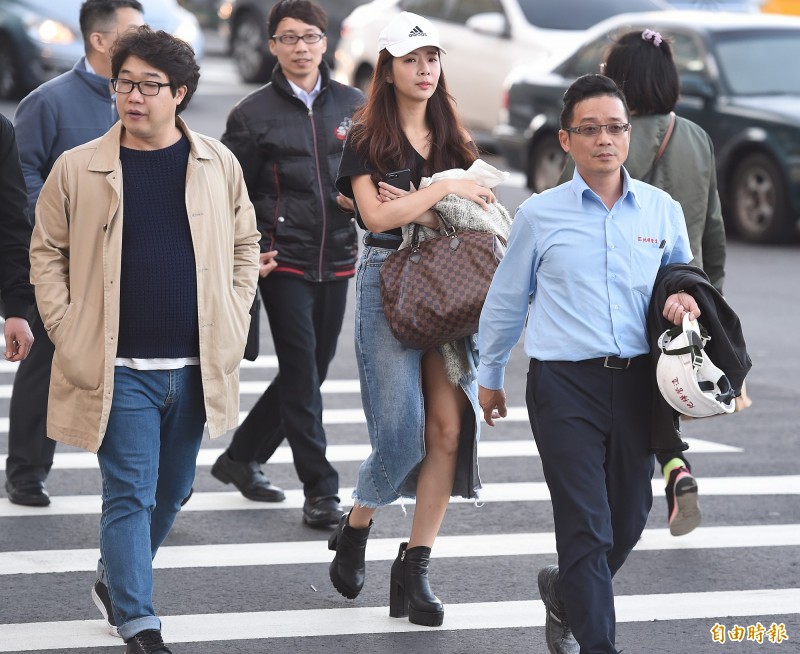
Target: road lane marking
[
  {"x": 501, "y": 492},
  {"x": 223, "y": 555},
  {"x": 257, "y": 625},
  {"x": 487, "y": 449}
]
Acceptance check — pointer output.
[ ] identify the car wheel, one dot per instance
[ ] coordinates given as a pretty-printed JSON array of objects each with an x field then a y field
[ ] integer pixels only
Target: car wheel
[
  {"x": 363, "y": 78},
  {"x": 9, "y": 73},
  {"x": 249, "y": 49},
  {"x": 545, "y": 163},
  {"x": 757, "y": 198}
]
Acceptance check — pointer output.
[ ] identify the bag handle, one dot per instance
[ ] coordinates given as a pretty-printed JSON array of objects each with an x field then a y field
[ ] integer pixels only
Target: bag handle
[{"x": 449, "y": 230}]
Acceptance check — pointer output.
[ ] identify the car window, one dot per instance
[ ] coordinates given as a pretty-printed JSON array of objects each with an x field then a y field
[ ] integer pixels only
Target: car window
[
  {"x": 466, "y": 9},
  {"x": 587, "y": 59},
  {"x": 580, "y": 14},
  {"x": 687, "y": 53},
  {"x": 755, "y": 63},
  {"x": 427, "y": 8}
]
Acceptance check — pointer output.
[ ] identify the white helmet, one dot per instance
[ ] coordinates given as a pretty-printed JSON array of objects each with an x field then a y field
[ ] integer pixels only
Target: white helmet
[{"x": 687, "y": 379}]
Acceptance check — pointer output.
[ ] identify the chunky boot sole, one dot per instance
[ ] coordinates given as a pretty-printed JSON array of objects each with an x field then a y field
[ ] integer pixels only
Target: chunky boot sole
[{"x": 339, "y": 584}]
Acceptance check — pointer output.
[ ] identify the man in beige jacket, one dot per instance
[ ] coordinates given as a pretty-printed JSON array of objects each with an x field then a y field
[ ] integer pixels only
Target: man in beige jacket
[{"x": 145, "y": 262}]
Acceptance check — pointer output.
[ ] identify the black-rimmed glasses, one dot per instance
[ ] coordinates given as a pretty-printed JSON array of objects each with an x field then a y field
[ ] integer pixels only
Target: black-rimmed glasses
[
  {"x": 148, "y": 87},
  {"x": 615, "y": 129},
  {"x": 291, "y": 39}
]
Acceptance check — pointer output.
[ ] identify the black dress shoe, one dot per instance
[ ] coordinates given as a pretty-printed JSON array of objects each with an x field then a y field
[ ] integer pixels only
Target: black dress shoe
[
  {"x": 248, "y": 478},
  {"x": 28, "y": 493},
  {"x": 322, "y": 512}
]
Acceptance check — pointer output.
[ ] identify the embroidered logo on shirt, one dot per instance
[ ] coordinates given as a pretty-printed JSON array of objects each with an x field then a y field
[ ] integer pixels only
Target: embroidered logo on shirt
[
  {"x": 341, "y": 131},
  {"x": 648, "y": 240},
  {"x": 417, "y": 31}
]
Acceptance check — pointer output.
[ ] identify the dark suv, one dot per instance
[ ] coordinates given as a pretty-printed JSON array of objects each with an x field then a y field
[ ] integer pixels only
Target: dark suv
[{"x": 249, "y": 41}]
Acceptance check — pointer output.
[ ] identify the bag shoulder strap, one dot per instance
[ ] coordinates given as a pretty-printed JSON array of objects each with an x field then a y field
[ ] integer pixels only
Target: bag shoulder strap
[
  {"x": 649, "y": 176},
  {"x": 663, "y": 147}
]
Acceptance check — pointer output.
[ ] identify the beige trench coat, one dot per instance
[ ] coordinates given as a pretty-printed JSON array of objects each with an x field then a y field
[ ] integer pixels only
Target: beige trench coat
[{"x": 76, "y": 250}]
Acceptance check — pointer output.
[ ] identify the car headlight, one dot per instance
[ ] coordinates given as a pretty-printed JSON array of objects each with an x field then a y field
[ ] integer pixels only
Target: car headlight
[
  {"x": 187, "y": 31},
  {"x": 51, "y": 32}
]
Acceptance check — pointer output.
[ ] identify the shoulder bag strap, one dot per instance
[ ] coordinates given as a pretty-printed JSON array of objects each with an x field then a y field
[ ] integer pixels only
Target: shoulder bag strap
[{"x": 647, "y": 178}]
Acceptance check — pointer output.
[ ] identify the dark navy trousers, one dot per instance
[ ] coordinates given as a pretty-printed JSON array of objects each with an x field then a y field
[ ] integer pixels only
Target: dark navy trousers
[{"x": 592, "y": 427}]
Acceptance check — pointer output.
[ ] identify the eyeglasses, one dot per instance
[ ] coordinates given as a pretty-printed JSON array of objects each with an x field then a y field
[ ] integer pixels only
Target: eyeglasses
[
  {"x": 291, "y": 39},
  {"x": 145, "y": 88},
  {"x": 615, "y": 129}
]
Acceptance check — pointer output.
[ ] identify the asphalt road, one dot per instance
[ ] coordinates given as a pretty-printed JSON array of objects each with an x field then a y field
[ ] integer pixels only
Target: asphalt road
[{"x": 242, "y": 577}]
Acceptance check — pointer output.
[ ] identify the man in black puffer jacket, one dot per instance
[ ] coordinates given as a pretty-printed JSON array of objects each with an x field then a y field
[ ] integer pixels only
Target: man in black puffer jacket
[{"x": 288, "y": 137}]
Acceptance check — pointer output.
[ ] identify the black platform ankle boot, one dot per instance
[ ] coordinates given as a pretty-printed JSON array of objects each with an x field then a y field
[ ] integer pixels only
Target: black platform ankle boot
[
  {"x": 410, "y": 591},
  {"x": 347, "y": 568}
]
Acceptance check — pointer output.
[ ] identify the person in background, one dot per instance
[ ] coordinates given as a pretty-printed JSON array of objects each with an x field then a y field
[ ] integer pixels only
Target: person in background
[
  {"x": 423, "y": 428},
  {"x": 147, "y": 345},
  {"x": 578, "y": 275},
  {"x": 16, "y": 291},
  {"x": 288, "y": 137},
  {"x": 642, "y": 65},
  {"x": 67, "y": 111}
]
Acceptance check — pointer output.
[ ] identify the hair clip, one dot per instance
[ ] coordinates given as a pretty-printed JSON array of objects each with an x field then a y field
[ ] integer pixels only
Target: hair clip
[{"x": 652, "y": 35}]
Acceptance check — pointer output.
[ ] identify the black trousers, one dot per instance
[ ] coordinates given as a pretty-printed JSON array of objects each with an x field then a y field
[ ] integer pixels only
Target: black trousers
[
  {"x": 592, "y": 428},
  {"x": 30, "y": 452},
  {"x": 305, "y": 319}
]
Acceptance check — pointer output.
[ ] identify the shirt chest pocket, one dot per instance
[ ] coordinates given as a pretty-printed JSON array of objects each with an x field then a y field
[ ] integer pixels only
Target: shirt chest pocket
[{"x": 645, "y": 262}]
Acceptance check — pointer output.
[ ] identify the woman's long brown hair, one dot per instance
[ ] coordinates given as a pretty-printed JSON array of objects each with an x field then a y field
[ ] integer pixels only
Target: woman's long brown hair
[{"x": 378, "y": 138}]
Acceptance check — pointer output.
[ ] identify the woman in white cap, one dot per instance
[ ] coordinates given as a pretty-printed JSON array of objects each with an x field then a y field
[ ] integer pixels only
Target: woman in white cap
[{"x": 422, "y": 427}]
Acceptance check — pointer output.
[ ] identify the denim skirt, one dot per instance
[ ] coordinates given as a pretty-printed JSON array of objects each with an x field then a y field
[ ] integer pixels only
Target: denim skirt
[{"x": 391, "y": 392}]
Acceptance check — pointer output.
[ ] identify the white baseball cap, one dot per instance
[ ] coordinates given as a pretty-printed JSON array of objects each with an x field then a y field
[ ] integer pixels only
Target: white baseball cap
[{"x": 407, "y": 32}]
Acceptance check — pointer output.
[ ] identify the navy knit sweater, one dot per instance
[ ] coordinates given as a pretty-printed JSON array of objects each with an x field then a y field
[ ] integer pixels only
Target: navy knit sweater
[{"x": 158, "y": 285}]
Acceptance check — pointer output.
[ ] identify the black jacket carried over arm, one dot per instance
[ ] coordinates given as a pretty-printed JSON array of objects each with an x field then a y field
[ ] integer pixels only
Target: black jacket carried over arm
[
  {"x": 15, "y": 229},
  {"x": 290, "y": 156},
  {"x": 726, "y": 348}
]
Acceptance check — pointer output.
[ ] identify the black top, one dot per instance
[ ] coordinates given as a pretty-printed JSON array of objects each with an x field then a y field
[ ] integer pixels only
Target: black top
[
  {"x": 352, "y": 165},
  {"x": 15, "y": 229},
  {"x": 158, "y": 279},
  {"x": 289, "y": 157}
]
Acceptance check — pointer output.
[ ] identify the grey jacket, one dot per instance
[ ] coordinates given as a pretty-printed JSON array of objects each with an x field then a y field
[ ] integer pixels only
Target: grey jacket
[{"x": 687, "y": 171}]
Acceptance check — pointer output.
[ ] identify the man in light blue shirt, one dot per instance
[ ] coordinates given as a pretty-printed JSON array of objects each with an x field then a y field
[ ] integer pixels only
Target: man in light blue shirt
[{"x": 580, "y": 266}]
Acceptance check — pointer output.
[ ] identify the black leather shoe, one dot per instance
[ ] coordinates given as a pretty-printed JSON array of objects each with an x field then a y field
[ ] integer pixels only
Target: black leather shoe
[
  {"x": 147, "y": 642},
  {"x": 558, "y": 633},
  {"x": 248, "y": 478},
  {"x": 322, "y": 512},
  {"x": 28, "y": 493}
]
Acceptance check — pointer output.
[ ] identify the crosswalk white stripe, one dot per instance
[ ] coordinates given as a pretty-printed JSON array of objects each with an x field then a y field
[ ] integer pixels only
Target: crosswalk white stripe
[
  {"x": 502, "y": 492},
  {"x": 354, "y": 417},
  {"x": 220, "y": 555},
  {"x": 42, "y": 636},
  {"x": 487, "y": 449},
  {"x": 329, "y": 387},
  {"x": 264, "y": 361}
]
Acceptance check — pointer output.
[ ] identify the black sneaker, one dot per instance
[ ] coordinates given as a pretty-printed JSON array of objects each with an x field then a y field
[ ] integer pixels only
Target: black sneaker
[
  {"x": 683, "y": 507},
  {"x": 102, "y": 600},
  {"x": 147, "y": 642},
  {"x": 556, "y": 628}
]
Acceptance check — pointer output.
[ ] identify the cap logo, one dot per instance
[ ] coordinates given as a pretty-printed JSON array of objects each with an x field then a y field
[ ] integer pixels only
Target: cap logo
[{"x": 417, "y": 32}]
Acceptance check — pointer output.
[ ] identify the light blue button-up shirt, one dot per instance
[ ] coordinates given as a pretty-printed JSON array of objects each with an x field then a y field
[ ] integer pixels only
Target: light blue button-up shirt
[{"x": 581, "y": 273}]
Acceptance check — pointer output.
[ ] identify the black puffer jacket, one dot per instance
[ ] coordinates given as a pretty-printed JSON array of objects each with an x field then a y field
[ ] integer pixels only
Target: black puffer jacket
[{"x": 290, "y": 157}]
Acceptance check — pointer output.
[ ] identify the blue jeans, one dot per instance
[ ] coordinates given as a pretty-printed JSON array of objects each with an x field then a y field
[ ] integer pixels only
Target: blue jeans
[
  {"x": 391, "y": 392},
  {"x": 147, "y": 460}
]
